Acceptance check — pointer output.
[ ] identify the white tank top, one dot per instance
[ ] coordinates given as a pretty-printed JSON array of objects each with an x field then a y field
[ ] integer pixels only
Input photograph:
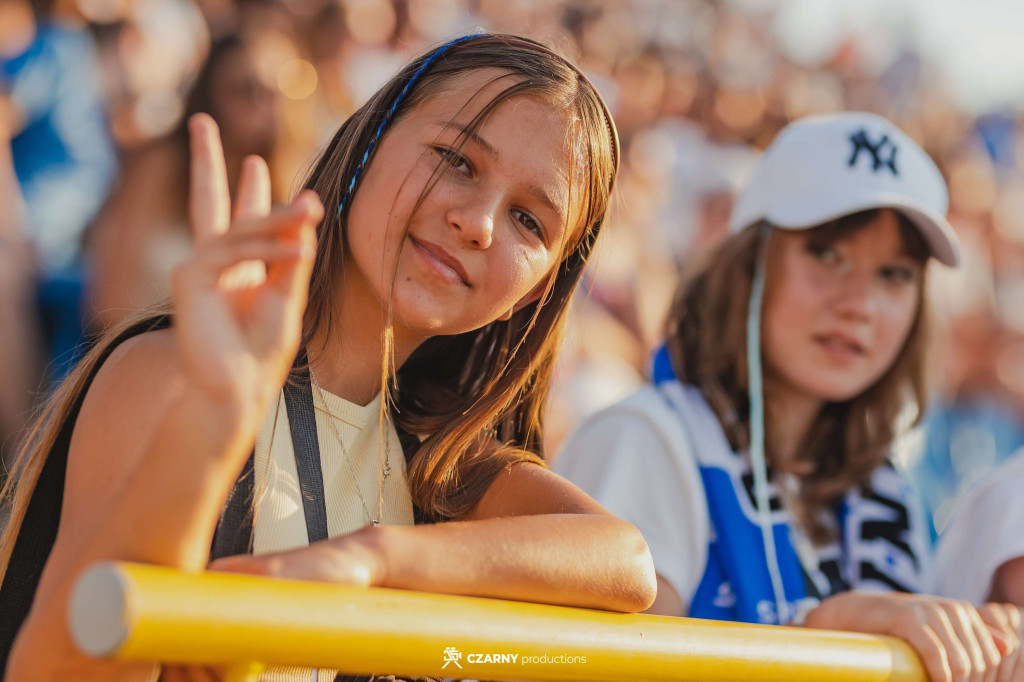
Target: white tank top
[{"x": 280, "y": 523}]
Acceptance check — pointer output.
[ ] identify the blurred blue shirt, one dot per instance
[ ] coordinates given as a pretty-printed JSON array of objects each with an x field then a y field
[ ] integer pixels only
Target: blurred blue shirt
[
  {"x": 963, "y": 442},
  {"x": 64, "y": 157}
]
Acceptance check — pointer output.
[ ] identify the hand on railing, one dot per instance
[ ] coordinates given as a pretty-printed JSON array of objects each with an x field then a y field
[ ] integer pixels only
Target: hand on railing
[
  {"x": 955, "y": 641},
  {"x": 345, "y": 560},
  {"x": 1006, "y": 621}
]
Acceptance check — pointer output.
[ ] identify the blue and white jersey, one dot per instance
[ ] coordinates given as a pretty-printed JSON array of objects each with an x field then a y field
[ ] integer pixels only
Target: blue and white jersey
[
  {"x": 660, "y": 460},
  {"x": 875, "y": 548}
]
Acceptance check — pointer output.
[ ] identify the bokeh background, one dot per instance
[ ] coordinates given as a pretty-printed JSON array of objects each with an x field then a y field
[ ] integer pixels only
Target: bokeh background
[{"x": 94, "y": 161}]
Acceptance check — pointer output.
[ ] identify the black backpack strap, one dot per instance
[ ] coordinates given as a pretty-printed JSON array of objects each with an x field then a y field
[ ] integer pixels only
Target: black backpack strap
[
  {"x": 38, "y": 529},
  {"x": 298, "y": 399},
  {"x": 234, "y": 534}
]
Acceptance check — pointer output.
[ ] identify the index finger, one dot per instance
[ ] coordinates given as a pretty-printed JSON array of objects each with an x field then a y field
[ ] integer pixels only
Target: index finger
[{"x": 209, "y": 199}]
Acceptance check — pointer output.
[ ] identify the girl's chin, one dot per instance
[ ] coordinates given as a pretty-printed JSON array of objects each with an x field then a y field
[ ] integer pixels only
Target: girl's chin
[
  {"x": 428, "y": 316},
  {"x": 419, "y": 321},
  {"x": 836, "y": 390}
]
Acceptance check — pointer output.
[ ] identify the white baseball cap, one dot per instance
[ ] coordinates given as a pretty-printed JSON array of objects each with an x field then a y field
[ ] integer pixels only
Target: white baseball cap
[{"x": 824, "y": 167}]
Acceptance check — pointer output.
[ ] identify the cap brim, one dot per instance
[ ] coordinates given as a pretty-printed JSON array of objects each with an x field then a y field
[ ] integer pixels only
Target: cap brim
[{"x": 936, "y": 230}]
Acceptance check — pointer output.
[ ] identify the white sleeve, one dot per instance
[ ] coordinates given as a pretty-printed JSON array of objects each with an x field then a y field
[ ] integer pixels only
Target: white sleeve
[
  {"x": 986, "y": 531},
  {"x": 629, "y": 465}
]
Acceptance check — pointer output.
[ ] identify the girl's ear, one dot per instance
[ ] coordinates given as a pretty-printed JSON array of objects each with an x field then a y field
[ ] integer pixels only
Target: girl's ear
[{"x": 531, "y": 296}]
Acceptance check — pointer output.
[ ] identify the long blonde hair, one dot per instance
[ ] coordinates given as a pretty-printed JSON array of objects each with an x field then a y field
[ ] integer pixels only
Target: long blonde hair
[
  {"x": 478, "y": 397},
  {"x": 707, "y": 343}
]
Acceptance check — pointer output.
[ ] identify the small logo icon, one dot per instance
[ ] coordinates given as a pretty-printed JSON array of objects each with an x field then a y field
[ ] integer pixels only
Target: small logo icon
[
  {"x": 725, "y": 599},
  {"x": 452, "y": 655},
  {"x": 883, "y": 153}
]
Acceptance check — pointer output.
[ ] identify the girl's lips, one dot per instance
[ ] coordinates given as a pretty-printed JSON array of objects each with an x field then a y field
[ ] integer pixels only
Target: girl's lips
[
  {"x": 839, "y": 346},
  {"x": 440, "y": 261}
]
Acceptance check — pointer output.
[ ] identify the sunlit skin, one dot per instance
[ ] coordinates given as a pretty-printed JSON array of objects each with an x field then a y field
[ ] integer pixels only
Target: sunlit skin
[
  {"x": 499, "y": 214},
  {"x": 486, "y": 210},
  {"x": 175, "y": 411},
  {"x": 835, "y": 319}
]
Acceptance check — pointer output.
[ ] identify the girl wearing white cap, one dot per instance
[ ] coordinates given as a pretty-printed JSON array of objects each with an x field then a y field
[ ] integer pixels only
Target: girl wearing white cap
[{"x": 757, "y": 464}]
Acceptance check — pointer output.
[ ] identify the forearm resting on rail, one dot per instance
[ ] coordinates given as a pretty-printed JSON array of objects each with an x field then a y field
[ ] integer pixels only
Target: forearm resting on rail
[{"x": 586, "y": 560}]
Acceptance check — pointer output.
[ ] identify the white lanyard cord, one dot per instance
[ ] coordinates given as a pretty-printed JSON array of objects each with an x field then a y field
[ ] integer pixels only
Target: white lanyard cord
[{"x": 756, "y": 396}]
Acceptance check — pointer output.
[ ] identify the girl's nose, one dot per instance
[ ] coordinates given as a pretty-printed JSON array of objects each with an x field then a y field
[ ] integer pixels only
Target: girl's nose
[
  {"x": 473, "y": 219},
  {"x": 857, "y": 295}
]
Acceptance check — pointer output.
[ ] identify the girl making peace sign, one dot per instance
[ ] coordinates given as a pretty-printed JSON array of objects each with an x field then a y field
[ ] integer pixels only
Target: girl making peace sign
[{"x": 418, "y": 313}]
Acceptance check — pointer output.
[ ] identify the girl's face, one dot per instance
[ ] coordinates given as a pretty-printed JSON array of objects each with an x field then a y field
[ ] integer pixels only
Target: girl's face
[
  {"x": 490, "y": 230},
  {"x": 245, "y": 107},
  {"x": 836, "y": 315}
]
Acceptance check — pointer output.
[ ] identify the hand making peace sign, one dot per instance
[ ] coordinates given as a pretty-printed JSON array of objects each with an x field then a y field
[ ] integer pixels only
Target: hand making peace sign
[{"x": 240, "y": 297}]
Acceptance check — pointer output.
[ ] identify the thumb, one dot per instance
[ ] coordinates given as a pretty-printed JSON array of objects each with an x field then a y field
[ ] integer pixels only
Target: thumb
[{"x": 242, "y": 563}]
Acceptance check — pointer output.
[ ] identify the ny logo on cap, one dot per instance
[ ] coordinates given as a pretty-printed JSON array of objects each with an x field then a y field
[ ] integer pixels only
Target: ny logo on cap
[{"x": 878, "y": 151}]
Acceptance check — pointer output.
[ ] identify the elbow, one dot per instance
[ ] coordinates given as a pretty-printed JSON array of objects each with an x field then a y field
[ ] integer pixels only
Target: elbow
[
  {"x": 639, "y": 580},
  {"x": 647, "y": 581}
]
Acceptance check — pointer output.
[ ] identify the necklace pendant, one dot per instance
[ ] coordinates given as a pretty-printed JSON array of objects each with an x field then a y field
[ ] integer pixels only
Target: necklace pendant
[
  {"x": 387, "y": 470},
  {"x": 375, "y": 523}
]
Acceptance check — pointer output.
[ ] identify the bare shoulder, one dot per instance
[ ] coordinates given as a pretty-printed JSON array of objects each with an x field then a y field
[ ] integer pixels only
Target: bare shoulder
[
  {"x": 526, "y": 488},
  {"x": 123, "y": 406}
]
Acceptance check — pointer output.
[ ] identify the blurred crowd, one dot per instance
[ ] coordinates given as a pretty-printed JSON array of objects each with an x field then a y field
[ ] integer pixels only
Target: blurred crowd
[{"x": 94, "y": 171}]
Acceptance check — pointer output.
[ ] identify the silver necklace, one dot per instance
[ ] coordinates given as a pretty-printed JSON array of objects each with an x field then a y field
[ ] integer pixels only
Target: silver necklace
[{"x": 348, "y": 460}]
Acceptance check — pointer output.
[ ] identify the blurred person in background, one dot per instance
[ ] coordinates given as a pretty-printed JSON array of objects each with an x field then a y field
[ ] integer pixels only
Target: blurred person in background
[
  {"x": 20, "y": 336},
  {"x": 142, "y": 233},
  {"x": 704, "y": 82},
  {"x": 55, "y": 137},
  {"x": 780, "y": 504},
  {"x": 973, "y": 425},
  {"x": 976, "y": 420},
  {"x": 980, "y": 556},
  {"x": 62, "y": 151}
]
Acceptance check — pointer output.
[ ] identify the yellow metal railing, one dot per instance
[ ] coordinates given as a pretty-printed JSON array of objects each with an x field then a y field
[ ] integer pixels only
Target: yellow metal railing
[{"x": 149, "y": 613}]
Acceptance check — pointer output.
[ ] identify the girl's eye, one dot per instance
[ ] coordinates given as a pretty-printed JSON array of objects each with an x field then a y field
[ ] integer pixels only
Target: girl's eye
[
  {"x": 824, "y": 253},
  {"x": 897, "y": 274},
  {"x": 529, "y": 222},
  {"x": 454, "y": 160}
]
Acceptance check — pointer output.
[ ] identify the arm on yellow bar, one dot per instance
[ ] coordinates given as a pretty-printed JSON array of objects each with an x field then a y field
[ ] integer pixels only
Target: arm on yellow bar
[
  {"x": 137, "y": 612},
  {"x": 533, "y": 537}
]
